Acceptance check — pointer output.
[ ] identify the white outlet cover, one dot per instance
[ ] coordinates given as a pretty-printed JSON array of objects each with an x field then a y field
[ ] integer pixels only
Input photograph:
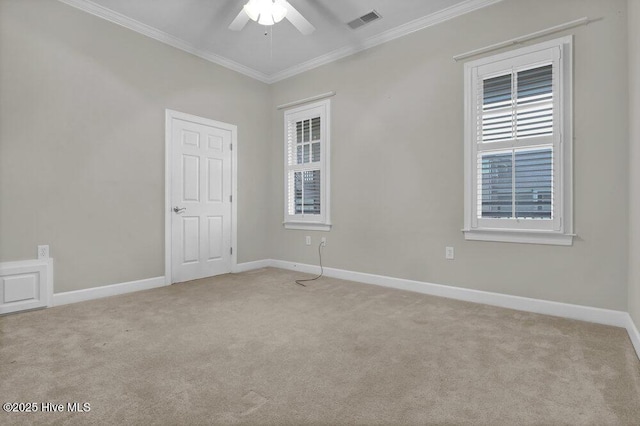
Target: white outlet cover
[
  {"x": 43, "y": 252},
  {"x": 449, "y": 253}
]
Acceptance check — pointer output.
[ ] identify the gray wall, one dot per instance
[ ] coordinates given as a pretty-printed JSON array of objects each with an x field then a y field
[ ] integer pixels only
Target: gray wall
[
  {"x": 634, "y": 158},
  {"x": 82, "y": 152},
  {"x": 82, "y": 104},
  {"x": 397, "y": 160}
]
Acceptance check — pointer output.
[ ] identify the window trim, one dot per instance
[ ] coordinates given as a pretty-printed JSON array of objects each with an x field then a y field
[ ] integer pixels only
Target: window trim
[
  {"x": 562, "y": 233},
  {"x": 320, "y": 222}
]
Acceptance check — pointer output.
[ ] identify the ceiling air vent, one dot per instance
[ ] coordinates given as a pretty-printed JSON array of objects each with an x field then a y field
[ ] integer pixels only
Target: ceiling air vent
[{"x": 364, "y": 19}]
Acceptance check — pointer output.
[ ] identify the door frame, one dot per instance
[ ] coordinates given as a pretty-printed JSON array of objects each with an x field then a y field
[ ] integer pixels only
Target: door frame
[{"x": 168, "y": 231}]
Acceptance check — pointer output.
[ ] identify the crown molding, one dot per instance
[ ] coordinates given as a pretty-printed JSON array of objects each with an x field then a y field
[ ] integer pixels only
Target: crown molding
[
  {"x": 149, "y": 31},
  {"x": 392, "y": 34}
]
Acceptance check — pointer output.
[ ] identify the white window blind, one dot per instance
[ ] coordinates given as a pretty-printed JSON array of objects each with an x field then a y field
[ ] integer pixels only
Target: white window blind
[
  {"x": 306, "y": 159},
  {"x": 518, "y": 164},
  {"x": 304, "y": 172},
  {"x": 516, "y": 107}
]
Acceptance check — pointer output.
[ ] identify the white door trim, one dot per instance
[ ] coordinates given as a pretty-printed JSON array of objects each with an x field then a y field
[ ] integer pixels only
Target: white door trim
[{"x": 169, "y": 116}]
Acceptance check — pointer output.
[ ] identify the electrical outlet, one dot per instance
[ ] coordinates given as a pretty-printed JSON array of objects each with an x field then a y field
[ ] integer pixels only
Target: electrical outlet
[
  {"x": 308, "y": 240},
  {"x": 43, "y": 252},
  {"x": 323, "y": 241},
  {"x": 448, "y": 253}
]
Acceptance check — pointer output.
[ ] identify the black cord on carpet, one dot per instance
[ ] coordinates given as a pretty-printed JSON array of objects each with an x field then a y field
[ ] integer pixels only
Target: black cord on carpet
[{"x": 299, "y": 282}]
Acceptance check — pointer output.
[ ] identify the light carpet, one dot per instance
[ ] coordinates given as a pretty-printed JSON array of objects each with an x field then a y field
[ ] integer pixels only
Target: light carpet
[{"x": 255, "y": 348}]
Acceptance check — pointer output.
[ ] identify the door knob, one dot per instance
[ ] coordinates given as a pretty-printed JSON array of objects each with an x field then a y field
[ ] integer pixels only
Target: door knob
[{"x": 179, "y": 209}]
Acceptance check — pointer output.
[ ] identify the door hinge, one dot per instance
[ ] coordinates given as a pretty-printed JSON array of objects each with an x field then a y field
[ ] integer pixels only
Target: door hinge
[
  {"x": 230, "y": 250},
  {"x": 230, "y": 147},
  {"x": 231, "y": 198}
]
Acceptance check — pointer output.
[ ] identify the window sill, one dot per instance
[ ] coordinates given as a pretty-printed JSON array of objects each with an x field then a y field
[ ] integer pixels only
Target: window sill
[
  {"x": 309, "y": 226},
  {"x": 517, "y": 236}
]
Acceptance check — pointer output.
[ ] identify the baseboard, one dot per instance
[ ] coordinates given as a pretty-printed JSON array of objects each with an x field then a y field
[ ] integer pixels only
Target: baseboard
[
  {"x": 250, "y": 266},
  {"x": 106, "y": 291},
  {"x": 129, "y": 287},
  {"x": 546, "y": 307},
  {"x": 634, "y": 334}
]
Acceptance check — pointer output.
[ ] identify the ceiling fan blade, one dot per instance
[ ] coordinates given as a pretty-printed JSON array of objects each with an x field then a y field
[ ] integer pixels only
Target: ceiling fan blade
[
  {"x": 298, "y": 20},
  {"x": 240, "y": 21}
]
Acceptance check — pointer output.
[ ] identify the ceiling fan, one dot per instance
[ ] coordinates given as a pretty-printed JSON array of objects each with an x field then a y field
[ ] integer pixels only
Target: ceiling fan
[{"x": 270, "y": 12}]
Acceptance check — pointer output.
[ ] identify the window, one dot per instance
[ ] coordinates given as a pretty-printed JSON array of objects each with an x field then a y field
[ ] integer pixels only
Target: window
[
  {"x": 306, "y": 148},
  {"x": 518, "y": 137}
]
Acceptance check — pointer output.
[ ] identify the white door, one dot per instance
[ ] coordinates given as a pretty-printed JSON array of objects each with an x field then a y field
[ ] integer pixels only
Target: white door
[{"x": 201, "y": 173}]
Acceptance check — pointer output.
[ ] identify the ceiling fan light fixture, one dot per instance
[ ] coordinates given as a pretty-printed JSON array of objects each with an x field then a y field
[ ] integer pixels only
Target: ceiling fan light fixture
[
  {"x": 265, "y": 19},
  {"x": 265, "y": 12}
]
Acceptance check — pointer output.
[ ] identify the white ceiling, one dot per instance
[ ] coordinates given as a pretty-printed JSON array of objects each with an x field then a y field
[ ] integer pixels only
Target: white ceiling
[{"x": 200, "y": 27}]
